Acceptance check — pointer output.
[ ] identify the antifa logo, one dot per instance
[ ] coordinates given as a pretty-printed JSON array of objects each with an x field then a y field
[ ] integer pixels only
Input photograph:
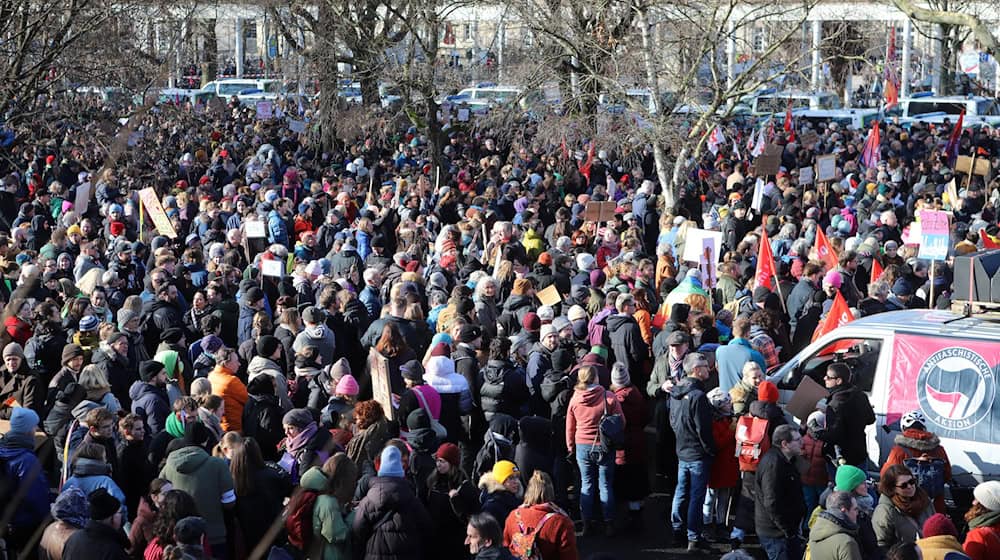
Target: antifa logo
[{"x": 956, "y": 387}]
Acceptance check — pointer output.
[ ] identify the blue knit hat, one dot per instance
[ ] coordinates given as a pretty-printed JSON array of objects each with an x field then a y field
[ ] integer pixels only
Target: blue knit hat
[
  {"x": 23, "y": 421},
  {"x": 391, "y": 462},
  {"x": 71, "y": 507}
]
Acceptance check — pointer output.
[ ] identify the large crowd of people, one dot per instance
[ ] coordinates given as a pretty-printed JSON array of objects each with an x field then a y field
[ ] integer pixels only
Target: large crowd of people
[{"x": 286, "y": 353}]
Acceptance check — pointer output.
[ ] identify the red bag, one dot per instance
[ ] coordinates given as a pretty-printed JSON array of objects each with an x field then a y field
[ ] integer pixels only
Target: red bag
[{"x": 751, "y": 441}]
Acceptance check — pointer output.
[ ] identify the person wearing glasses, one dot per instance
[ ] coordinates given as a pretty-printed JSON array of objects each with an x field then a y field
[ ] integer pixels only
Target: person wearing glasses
[
  {"x": 780, "y": 506},
  {"x": 847, "y": 414},
  {"x": 902, "y": 508}
]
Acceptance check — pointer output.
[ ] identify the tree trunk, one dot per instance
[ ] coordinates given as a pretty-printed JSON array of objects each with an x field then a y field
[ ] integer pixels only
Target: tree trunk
[
  {"x": 326, "y": 64},
  {"x": 659, "y": 155},
  {"x": 209, "y": 64}
]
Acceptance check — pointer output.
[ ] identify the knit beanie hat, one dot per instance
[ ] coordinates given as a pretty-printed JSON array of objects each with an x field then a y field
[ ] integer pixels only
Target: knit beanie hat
[
  {"x": 149, "y": 369},
  {"x": 391, "y": 463},
  {"x": 89, "y": 323},
  {"x": 848, "y": 478},
  {"x": 13, "y": 349},
  {"x": 71, "y": 506},
  {"x": 171, "y": 362},
  {"x": 531, "y": 321},
  {"x": 449, "y": 452},
  {"x": 412, "y": 370},
  {"x": 939, "y": 524},
  {"x": 767, "y": 392},
  {"x": 503, "y": 470},
  {"x": 124, "y": 316},
  {"x": 718, "y": 398},
  {"x": 620, "y": 376},
  {"x": 441, "y": 349},
  {"x": 340, "y": 368},
  {"x": 988, "y": 494},
  {"x": 23, "y": 421},
  {"x": 577, "y": 313},
  {"x": 190, "y": 530},
  {"x": 267, "y": 345},
  {"x": 102, "y": 504},
  {"x": 347, "y": 386},
  {"x": 174, "y": 425},
  {"x": 298, "y": 417},
  {"x": 69, "y": 352}
]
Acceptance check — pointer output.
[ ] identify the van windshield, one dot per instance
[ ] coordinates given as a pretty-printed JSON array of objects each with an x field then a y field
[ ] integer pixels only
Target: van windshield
[{"x": 924, "y": 107}]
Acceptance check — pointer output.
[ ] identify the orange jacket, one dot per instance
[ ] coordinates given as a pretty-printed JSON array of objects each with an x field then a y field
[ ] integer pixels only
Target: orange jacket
[
  {"x": 983, "y": 543},
  {"x": 557, "y": 538},
  {"x": 234, "y": 395}
]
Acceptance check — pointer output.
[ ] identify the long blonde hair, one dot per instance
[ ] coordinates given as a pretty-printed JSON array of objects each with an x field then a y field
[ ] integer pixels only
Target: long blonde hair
[{"x": 585, "y": 377}]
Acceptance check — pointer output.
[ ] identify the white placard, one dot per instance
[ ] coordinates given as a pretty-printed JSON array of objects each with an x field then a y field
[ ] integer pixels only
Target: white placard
[
  {"x": 694, "y": 244},
  {"x": 254, "y": 229},
  {"x": 265, "y": 110},
  {"x": 758, "y": 195},
  {"x": 297, "y": 127},
  {"x": 272, "y": 268},
  {"x": 463, "y": 115},
  {"x": 806, "y": 176},
  {"x": 826, "y": 168},
  {"x": 82, "y": 200}
]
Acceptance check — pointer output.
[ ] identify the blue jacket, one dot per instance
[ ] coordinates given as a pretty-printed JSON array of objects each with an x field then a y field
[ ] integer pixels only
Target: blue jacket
[
  {"x": 731, "y": 358},
  {"x": 277, "y": 229},
  {"x": 244, "y": 326},
  {"x": 370, "y": 298},
  {"x": 151, "y": 403},
  {"x": 89, "y": 475},
  {"x": 364, "y": 244},
  {"x": 21, "y": 463}
]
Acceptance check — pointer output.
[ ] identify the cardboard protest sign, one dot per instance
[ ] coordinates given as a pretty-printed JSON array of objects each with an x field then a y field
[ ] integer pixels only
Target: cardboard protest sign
[
  {"x": 599, "y": 211},
  {"x": 826, "y": 168},
  {"x": 463, "y": 115},
  {"x": 265, "y": 110},
  {"x": 769, "y": 163},
  {"x": 297, "y": 127},
  {"x": 694, "y": 244},
  {"x": 709, "y": 256},
  {"x": 965, "y": 164},
  {"x": 549, "y": 296},
  {"x": 153, "y": 207},
  {"x": 82, "y": 200},
  {"x": 809, "y": 137},
  {"x": 270, "y": 267},
  {"x": 803, "y": 401},
  {"x": 381, "y": 389}
]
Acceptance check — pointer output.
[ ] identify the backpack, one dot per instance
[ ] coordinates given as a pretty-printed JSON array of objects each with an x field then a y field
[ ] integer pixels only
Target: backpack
[
  {"x": 751, "y": 441},
  {"x": 928, "y": 472},
  {"x": 736, "y": 304},
  {"x": 522, "y": 543},
  {"x": 597, "y": 330},
  {"x": 299, "y": 523},
  {"x": 610, "y": 429}
]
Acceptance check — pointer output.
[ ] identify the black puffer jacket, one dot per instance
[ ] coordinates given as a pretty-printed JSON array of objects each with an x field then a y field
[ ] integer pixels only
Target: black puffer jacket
[
  {"x": 691, "y": 420},
  {"x": 262, "y": 418},
  {"x": 498, "y": 444},
  {"x": 534, "y": 451},
  {"x": 847, "y": 414},
  {"x": 391, "y": 522},
  {"x": 627, "y": 345},
  {"x": 503, "y": 389}
]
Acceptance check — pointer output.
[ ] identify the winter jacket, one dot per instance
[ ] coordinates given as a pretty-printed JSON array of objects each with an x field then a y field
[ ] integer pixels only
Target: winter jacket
[
  {"x": 893, "y": 526},
  {"x": 391, "y": 522},
  {"x": 347, "y": 263},
  {"x": 634, "y": 408},
  {"x": 450, "y": 514},
  {"x": 456, "y": 397},
  {"x": 262, "y": 421},
  {"x": 43, "y": 352},
  {"x": 847, "y": 414},
  {"x": 416, "y": 337},
  {"x": 234, "y": 393},
  {"x": 555, "y": 540},
  {"x": 96, "y": 541},
  {"x": 916, "y": 443},
  {"x": 495, "y": 498},
  {"x": 725, "y": 469},
  {"x": 743, "y": 394},
  {"x": 151, "y": 403},
  {"x": 54, "y": 538},
  {"x": 268, "y": 488},
  {"x": 627, "y": 344},
  {"x": 943, "y": 547},
  {"x": 779, "y": 506},
  {"x": 90, "y": 474},
  {"x": 833, "y": 539},
  {"x": 812, "y": 451},
  {"x": 799, "y": 300},
  {"x": 319, "y": 336},
  {"x": 244, "y": 328},
  {"x": 584, "y": 415},
  {"x": 691, "y": 420},
  {"x": 17, "y": 452},
  {"x": 731, "y": 358},
  {"x": 503, "y": 389},
  {"x": 314, "y": 453},
  {"x": 331, "y": 528},
  {"x": 23, "y": 386},
  {"x": 118, "y": 373},
  {"x": 498, "y": 444},
  {"x": 983, "y": 543},
  {"x": 141, "y": 532},
  {"x": 534, "y": 447},
  {"x": 207, "y": 480},
  {"x": 539, "y": 366},
  {"x": 158, "y": 316},
  {"x": 260, "y": 365}
]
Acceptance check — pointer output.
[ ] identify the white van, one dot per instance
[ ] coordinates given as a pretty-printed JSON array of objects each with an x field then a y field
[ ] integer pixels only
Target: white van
[
  {"x": 943, "y": 364},
  {"x": 769, "y": 101},
  {"x": 227, "y": 88}
]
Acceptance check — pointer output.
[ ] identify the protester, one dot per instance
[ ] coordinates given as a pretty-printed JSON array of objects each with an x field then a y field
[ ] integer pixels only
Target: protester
[
  {"x": 484, "y": 538},
  {"x": 779, "y": 504},
  {"x": 691, "y": 420},
  {"x": 833, "y": 535},
  {"x": 916, "y": 443},
  {"x": 102, "y": 537},
  {"x": 847, "y": 414},
  {"x": 551, "y": 530},
  {"x": 983, "y": 518},
  {"x": 940, "y": 539},
  {"x": 70, "y": 513},
  {"x": 902, "y": 508}
]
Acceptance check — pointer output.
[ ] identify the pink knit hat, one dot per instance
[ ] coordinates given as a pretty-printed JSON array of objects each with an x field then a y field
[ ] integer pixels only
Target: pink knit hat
[{"x": 347, "y": 386}]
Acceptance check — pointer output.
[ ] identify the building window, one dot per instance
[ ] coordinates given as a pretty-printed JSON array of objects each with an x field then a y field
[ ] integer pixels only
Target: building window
[
  {"x": 470, "y": 29},
  {"x": 529, "y": 38},
  {"x": 759, "y": 38}
]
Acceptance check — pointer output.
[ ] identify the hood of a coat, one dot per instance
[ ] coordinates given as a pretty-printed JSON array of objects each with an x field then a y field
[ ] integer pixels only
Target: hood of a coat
[
  {"x": 591, "y": 396},
  {"x": 827, "y": 526},
  {"x": 313, "y": 479},
  {"x": 188, "y": 459},
  {"x": 918, "y": 439},
  {"x": 686, "y": 386},
  {"x": 536, "y": 432}
]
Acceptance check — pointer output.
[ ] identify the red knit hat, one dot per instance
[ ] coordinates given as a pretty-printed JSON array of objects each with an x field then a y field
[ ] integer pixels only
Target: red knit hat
[
  {"x": 767, "y": 392},
  {"x": 449, "y": 452},
  {"x": 545, "y": 259},
  {"x": 936, "y": 525},
  {"x": 117, "y": 228},
  {"x": 441, "y": 349},
  {"x": 412, "y": 266},
  {"x": 531, "y": 322}
]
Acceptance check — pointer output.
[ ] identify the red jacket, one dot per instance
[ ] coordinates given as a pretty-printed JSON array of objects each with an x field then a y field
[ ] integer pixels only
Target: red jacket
[
  {"x": 584, "y": 414},
  {"x": 983, "y": 543},
  {"x": 18, "y": 330},
  {"x": 556, "y": 539},
  {"x": 812, "y": 451},
  {"x": 725, "y": 471},
  {"x": 634, "y": 408}
]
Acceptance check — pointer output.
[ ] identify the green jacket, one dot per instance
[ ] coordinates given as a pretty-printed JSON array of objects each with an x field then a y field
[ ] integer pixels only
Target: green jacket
[
  {"x": 208, "y": 480},
  {"x": 830, "y": 539},
  {"x": 330, "y": 526}
]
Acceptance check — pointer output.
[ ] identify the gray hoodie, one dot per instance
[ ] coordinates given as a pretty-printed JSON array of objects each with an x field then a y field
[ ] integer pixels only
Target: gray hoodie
[{"x": 260, "y": 365}]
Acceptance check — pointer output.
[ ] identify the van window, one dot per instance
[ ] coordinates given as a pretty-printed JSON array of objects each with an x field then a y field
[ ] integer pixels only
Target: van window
[
  {"x": 228, "y": 89},
  {"x": 924, "y": 107},
  {"x": 860, "y": 354}
]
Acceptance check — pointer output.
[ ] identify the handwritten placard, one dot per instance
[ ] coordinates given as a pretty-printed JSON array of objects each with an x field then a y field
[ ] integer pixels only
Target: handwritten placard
[
  {"x": 826, "y": 168},
  {"x": 934, "y": 235},
  {"x": 254, "y": 229},
  {"x": 156, "y": 213},
  {"x": 265, "y": 110}
]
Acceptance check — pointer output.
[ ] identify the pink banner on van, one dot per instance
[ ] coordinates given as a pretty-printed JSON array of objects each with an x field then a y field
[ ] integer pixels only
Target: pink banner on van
[{"x": 952, "y": 381}]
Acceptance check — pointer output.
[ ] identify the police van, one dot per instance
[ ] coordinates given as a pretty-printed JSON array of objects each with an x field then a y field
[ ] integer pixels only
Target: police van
[{"x": 939, "y": 362}]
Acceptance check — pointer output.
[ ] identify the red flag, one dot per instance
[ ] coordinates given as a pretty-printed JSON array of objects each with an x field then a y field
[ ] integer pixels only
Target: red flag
[
  {"x": 565, "y": 150},
  {"x": 839, "y": 315},
  {"x": 765, "y": 264},
  {"x": 585, "y": 166},
  {"x": 988, "y": 241},
  {"x": 824, "y": 251},
  {"x": 789, "y": 122},
  {"x": 876, "y": 270},
  {"x": 951, "y": 148}
]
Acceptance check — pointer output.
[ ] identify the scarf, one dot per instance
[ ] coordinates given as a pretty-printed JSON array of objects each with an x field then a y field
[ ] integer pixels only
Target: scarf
[
  {"x": 987, "y": 519},
  {"x": 297, "y": 443},
  {"x": 914, "y": 506},
  {"x": 174, "y": 426}
]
